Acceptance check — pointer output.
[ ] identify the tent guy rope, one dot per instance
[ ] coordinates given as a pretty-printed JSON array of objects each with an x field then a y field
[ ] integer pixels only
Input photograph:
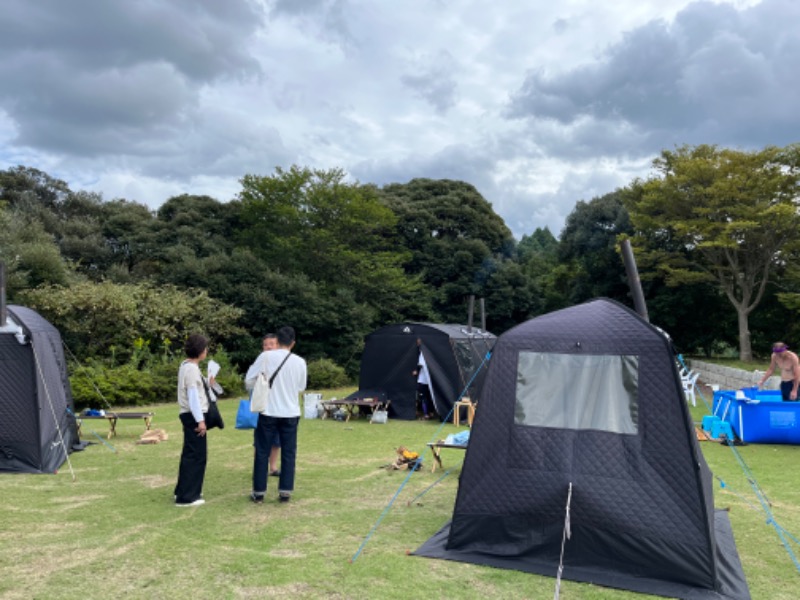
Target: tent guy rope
[
  {"x": 424, "y": 456},
  {"x": 52, "y": 410}
]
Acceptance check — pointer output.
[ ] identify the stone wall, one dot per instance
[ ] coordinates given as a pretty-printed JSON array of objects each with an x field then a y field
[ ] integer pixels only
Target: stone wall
[{"x": 728, "y": 378}]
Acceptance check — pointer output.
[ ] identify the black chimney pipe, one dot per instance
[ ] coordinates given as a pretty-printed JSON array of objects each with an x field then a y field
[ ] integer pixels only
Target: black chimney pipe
[
  {"x": 2, "y": 294},
  {"x": 633, "y": 280},
  {"x": 471, "y": 312},
  {"x": 483, "y": 314}
]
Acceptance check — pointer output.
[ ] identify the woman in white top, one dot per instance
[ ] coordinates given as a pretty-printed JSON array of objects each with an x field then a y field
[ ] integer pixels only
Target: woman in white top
[{"x": 193, "y": 404}]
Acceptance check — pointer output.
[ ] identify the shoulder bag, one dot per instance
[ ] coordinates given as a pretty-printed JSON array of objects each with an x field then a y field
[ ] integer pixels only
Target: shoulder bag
[
  {"x": 260, "y": 396},
  {"x": 213, "y": 416}
]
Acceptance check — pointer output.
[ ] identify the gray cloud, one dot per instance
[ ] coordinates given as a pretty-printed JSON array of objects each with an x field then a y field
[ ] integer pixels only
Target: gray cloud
[
  {"x": 91, "y": 77},
  {"x": 433, "y": 80},
  {"x": 713, "y": 75},
  {"x": 538, "y": 105}
]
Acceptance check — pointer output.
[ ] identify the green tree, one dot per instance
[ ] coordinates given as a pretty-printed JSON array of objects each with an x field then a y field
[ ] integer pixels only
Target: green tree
[
  {"x": 335, "y": 233},
  {"x": 722, "y": 216},
  {"x": 30, "y": 254},
  {"x": 456, "y": 239},
  {"x": 30, "y": 190},
  {"x": 551, "y": 281},
  {"x": 589, "y": 245}
]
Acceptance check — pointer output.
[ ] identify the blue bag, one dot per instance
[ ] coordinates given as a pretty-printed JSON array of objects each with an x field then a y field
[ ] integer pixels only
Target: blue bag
[{"x": 244, "y": 418}]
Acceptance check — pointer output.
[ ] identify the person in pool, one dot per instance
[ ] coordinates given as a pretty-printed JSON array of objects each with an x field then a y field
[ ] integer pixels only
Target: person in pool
[{"x": 788, "y": 363}]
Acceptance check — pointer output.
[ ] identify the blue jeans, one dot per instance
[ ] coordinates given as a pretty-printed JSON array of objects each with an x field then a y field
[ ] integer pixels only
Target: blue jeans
[{"x": 285, "y": 430}]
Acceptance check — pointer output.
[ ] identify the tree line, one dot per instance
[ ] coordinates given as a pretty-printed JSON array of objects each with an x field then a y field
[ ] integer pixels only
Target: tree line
[{"x": 715, "y": 232}]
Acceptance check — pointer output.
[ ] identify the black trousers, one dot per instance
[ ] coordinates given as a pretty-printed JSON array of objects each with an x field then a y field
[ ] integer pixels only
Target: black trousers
[
  {"x": 425, "y": 399},
  {"x": 192, "y": 470}
]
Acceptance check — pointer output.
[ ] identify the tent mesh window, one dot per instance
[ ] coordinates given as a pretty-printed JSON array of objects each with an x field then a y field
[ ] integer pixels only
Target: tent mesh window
[{"x": 578, "y": 391}]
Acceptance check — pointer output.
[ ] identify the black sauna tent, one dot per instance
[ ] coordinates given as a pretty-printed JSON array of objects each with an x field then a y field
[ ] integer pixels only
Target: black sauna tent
[
  {"x": 37, "y": 423},
  {"x": 590, "y": 397},
  {"x": 455, "y": 355}
]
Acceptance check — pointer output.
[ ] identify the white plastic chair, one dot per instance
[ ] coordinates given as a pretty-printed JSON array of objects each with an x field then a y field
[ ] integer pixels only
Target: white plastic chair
[{"x": 689, "y": 385}]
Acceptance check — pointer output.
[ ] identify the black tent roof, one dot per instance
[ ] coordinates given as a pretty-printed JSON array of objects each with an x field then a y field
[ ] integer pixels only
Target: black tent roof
[
  {"x": 454, "y": 354},
  {"x": 589, "y": 399}
]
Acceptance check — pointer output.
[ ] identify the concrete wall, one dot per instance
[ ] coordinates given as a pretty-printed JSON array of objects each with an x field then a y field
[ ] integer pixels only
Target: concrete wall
[{"x": 728, "y": 378}]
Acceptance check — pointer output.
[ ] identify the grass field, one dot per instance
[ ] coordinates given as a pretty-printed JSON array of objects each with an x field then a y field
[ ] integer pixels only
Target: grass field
[{"x": 114, "y": 531}]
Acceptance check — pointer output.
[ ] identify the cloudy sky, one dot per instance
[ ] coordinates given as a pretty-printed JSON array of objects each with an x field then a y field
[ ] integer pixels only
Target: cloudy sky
[{"x": 537, "y": 104}]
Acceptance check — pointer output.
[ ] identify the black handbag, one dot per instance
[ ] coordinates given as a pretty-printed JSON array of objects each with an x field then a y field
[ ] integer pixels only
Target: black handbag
[{"x": 213, "y": 416}]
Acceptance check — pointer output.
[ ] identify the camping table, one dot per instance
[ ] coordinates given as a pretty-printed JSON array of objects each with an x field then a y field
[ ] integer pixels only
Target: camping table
[
  {"x": 353, "y": 406},
  {"x": 114, "y": 416},
  {"x": 436, "y": 448}
]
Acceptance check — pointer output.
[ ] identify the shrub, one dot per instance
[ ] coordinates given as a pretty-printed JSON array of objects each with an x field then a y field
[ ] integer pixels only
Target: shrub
[
  {"x": 102, "y": 319},
  {"x": 323, "y": 373},
  {"x": 146, "y": 378}
]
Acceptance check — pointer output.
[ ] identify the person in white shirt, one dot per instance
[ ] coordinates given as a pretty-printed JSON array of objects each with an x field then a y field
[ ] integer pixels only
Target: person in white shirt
[
  {"x": 270, "y": 342},
  {"x": 282, "y": 415},
  {"x": 424, "y": 385},
  {"x": 193, "y": 404}
]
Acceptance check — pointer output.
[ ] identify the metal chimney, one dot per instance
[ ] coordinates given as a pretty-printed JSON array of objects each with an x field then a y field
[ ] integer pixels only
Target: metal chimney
[
  {"x": 483, "y": 315},
  {"x": 2, "y": 295},
  {"x": 471, "y": 311},
  {"x": 633, "y": 280}
]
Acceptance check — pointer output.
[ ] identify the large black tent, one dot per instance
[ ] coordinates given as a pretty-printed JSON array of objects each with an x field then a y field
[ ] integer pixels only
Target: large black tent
[
  {"x": 37, "y": 423},
  {"x": 454, "y": 355},
  {"x": 588, "y": 400}
]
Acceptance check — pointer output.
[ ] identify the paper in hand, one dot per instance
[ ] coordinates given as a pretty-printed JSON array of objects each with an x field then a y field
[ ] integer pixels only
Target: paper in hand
[{"x": 213, "y": 369}]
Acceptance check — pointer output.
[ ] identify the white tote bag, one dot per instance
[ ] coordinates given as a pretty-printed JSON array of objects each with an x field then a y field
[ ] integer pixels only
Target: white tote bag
[{"x": 260, "y": 395}]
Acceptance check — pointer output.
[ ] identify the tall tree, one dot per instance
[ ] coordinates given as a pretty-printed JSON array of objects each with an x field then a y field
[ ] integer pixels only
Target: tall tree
[
  {"x": 456, "y": 239},
  {"x": 336, "y": 233},
  {"x": 589, "y": 242},
  {"x": 720, "y": 215},
  {"x": 31, "y": 256}
]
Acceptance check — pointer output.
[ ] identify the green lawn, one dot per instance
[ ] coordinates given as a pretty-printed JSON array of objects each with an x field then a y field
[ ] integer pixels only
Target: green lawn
[{"x": 114, "y": 531}]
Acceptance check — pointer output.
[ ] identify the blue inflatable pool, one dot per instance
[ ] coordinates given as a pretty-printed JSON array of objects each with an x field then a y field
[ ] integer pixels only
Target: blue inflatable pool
[{"x": 759, "y": 416}]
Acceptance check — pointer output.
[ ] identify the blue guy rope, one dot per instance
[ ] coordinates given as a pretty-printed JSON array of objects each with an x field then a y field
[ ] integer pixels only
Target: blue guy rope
[
  {"x": 383, "y": 514},
  {"x": 114, "y": 450},
  {"x": 761, "y": 496},
  {"x": 431, "y": 486},
  {"x": 405, "y": 481},
  {"x": 765, "y": 505}
]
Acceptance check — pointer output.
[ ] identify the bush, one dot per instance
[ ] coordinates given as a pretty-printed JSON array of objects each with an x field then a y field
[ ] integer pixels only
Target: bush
[
  {"x": 146, "y": 378},
  {"x": 323, "y": 373},
  {"x": 102, "y": 319}
]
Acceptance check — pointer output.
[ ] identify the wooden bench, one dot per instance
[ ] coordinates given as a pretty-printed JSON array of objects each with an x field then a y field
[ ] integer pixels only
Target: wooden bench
[
  {"x": 353, "y": 407},
  {"x": 112, "y": 418},
  {"x": 436, "y": 448}
]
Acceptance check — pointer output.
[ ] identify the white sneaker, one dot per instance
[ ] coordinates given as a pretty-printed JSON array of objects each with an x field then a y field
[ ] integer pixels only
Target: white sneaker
[{"x": 198, "y": 502}]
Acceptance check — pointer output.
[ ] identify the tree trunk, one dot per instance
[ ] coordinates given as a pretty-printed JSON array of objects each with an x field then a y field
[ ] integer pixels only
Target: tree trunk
[{"x": 745, "y": 350}]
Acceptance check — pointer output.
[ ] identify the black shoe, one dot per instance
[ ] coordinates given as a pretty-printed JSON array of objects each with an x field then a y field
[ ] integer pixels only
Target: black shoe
[
  {"x": 275, "y": 473},
  {"x": 257, "y": 498},
  {"x": 283, "y": 498}
]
